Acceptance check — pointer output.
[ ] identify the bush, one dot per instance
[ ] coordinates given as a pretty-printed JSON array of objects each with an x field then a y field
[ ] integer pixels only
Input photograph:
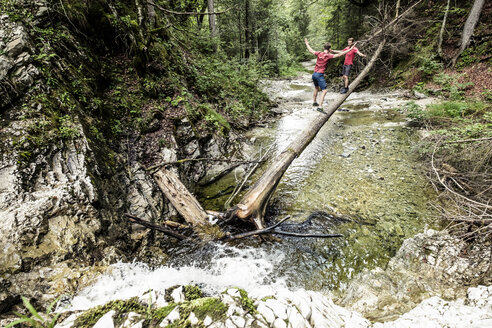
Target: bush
[{"x": 429, "y": 66}]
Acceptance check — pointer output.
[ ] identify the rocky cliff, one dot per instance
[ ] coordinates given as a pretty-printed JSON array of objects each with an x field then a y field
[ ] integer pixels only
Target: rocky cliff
[{"x": 80, "y": 117}]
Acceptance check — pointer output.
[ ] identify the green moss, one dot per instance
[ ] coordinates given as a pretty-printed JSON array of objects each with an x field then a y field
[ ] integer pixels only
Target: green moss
[
  {"x": 266, "y": 298},
  {"x": 89, "y": 318},
  {"x": 192, "y": 292},
  {"x": 206, "y": 306},
  {"x": 201, "y": 307},
  {"x": 168, "y": 293},
  {"x": 162, "y": 312},
  {"x": 246, "y": 302}
]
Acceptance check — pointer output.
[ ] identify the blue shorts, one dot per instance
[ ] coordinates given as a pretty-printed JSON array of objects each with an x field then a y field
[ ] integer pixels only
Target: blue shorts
[
  {"x": 346, "y": 70},
  {"x": 319, "y": 80}
]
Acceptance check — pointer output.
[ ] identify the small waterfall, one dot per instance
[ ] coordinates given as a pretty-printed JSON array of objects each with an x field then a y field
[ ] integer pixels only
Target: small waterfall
[{"x": 214, "y": 271}]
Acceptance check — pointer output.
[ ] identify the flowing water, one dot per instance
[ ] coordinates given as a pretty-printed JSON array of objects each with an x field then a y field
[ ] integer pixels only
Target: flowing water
[{"x": 358, "y": 178}]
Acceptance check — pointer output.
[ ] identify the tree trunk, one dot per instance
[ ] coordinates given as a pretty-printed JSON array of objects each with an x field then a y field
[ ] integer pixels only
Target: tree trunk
[
  {"x": 211, "y": 19},
  {"x": 470, "y": 24},
  {"x": 182, "y": 200},
  {"x": 246, "y": 29},
  {"x": 253, "y": 204},
  {"x": 439, "y": 45},
  {"x": 151, "y": 13}
]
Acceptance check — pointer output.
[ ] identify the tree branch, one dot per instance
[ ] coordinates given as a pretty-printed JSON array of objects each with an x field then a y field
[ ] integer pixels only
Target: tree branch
[
  {"x": 150, "y": 225},
  {"x": 187, "y": 13},
  {"x": 271, "y": 230}
]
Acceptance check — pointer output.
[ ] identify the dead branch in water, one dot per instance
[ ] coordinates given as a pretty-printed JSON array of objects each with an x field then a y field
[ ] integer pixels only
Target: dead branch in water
[
  {"x": 156, "y": 167},
  {"x": 153, "y": 226},
  {"x": 271, "y": 230},
  {"x": 240, "y": 187},
  {"x": 168, "y": 223},
  {"x": 470, "y": 214}
]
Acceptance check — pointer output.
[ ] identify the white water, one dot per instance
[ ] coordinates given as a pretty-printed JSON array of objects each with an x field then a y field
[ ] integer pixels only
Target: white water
[{"x": 247, "y": 268}]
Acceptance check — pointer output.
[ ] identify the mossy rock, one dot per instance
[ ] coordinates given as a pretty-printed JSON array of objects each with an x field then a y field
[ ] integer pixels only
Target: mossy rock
[
  {"x": 192, "y": 292},
  {"x": 202, "y": 307},
  {"x": 89, "y": 318},
  {"x": 246, "y": 302}
]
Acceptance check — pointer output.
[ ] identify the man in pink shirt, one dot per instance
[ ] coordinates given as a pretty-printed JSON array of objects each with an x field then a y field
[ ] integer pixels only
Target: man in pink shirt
[
  {"x": 347, "y": 64},
  {"x": 322, "y": 58}
]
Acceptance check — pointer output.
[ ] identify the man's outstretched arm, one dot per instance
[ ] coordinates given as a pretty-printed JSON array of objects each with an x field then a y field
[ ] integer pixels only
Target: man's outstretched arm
[
  {"x": 360, "y": 54},
  {"x": 336, "y": 51},
  {"x": 308, "y": 46},
  {"x": 341, "y": 53}
]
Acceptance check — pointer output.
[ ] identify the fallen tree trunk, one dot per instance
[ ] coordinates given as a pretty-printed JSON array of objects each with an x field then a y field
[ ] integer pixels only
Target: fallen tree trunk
[
  {"x": 182, "y": 200},
  {"x": 253, "y": 204}
]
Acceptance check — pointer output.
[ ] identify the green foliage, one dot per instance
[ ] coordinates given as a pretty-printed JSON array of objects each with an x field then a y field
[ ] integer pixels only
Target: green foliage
[
  {"x": 429, "y": 66},
  {"x": 218, "y": 121},
  {"x": 67, "y": 129},
  {"x": 230, "y": 86},
  {"x": 457, "y": 110},
  {"x": 413, "y": 110},
  {"x": 487, "y": 95},
  {"x": 451, "y": 109},
  {"x": 450, "y": 87},
  {"x": 37, "y": 320}
]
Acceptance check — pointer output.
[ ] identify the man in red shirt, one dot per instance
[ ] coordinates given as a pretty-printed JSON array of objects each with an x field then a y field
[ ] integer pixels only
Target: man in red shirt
[
  {"x": 347, "y": 64},
  {"x": 319, "y": 70}
]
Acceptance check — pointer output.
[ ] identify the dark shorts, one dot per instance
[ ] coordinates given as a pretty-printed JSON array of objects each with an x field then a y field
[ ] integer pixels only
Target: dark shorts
[
  {"x": 346, "y": 70},
  {"x": 319, "y": 80}
]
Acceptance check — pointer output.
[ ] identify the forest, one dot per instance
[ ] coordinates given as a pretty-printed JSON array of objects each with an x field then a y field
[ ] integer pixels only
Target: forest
[{"x": 166, "y": 163}]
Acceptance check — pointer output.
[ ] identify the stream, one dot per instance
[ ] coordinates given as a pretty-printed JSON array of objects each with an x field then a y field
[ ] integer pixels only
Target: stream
[{"x": 358, "y": 178}]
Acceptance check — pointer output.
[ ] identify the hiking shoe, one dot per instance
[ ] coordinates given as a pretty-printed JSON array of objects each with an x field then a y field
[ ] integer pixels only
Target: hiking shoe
[
  {"x": 344, "y": 90},
  {"x": 319, "y": 109},
  {"x": 315, "y": 104}
]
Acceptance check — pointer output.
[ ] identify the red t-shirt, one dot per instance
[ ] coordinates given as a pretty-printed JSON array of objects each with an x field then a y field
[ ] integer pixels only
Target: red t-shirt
[
  {"x": 322, "y": 60},
  {"x": 349, "y": 56}
]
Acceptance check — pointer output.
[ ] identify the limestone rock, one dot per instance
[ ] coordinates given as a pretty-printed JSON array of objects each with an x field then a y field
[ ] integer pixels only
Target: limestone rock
[
  {"x": 279, "y": 323},
  {"x": 178, "y": 295},
  {"x": 16, "y": 46},
  {"x": 266, "y": 312},
  {"x": 106, "y": 320},
  {"x": 278, "y": 308}
]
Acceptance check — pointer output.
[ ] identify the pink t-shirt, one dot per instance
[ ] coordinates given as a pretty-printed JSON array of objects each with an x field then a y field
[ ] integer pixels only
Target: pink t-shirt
[
  {"x": 349, "y": 56},
  {"x": 322, "y": 60}
]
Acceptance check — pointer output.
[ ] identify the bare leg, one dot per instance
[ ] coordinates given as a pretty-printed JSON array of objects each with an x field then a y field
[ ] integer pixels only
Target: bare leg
[
  {"x": 323, "y": 94},
  {"x": 345, "y": 80},
  {"x": 315, "y": 94}
]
